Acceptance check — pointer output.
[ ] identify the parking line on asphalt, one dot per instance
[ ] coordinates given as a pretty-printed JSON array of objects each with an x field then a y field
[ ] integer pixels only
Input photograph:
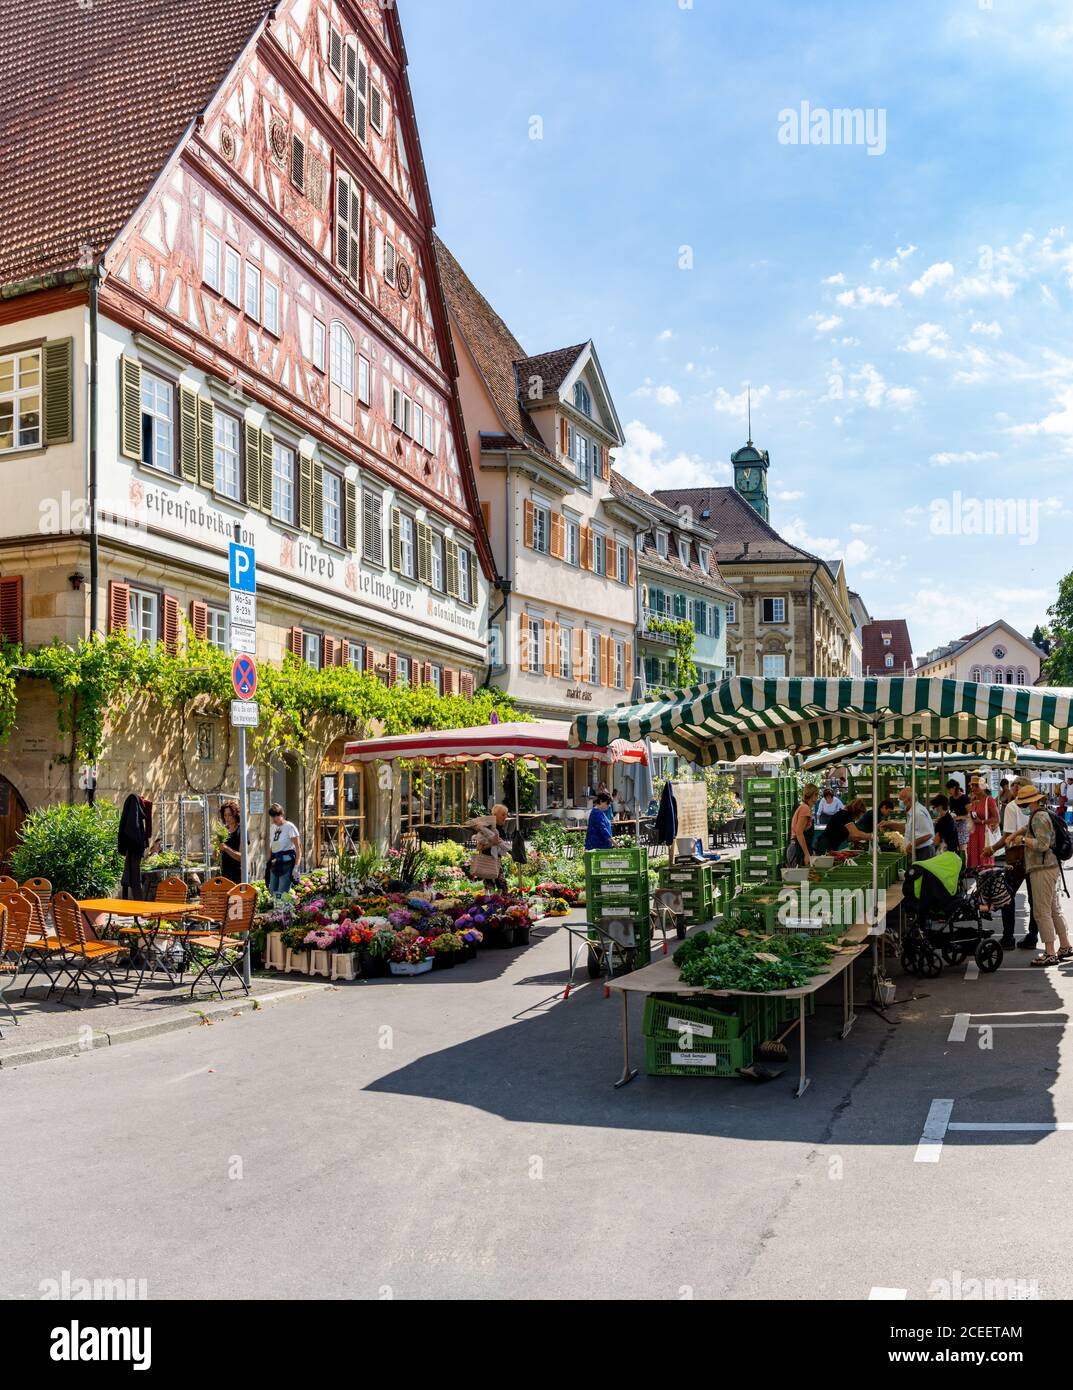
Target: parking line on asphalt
[
  {"x": 1011, "y": 1126},
  {"x": 972, "y": 970},
  {"x": 960, "y": 1028},
  {"x": 880, "y": 1294},
  {"x": 930, "y": 1147}
]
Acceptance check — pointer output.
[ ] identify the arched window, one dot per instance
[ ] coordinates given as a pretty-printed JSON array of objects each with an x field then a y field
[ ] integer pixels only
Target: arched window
[
  {"x": 1022, "y": 676},
  {"x": 1009, "y": 676},
  {"x": 889, "y": 661},
  {"x": 977, "y": 674},
  {"x": 582, "y": 399},
  {"x": 341, "y": 393},
  {"x": 989, "y": 676}
]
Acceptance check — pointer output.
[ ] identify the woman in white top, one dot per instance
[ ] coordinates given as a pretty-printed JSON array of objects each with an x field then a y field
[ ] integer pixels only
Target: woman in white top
[{"x": 284, "y": 851}]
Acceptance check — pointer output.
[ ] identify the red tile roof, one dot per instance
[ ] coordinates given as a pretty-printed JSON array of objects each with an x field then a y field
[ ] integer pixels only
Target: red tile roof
[
  {"x": 671, "y": 564},
  {"x": 549, "y": 368},
  {"x": 95, "y": 100},
  {"x": 743, "y": 534},
  {"x": 874, "y": 650}
]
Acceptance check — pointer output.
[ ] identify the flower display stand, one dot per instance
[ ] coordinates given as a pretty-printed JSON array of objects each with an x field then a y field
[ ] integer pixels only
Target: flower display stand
[
  {"x": 297, "y": 963},
  {"x": 320, "y": 963},
  {"x": 344, "y": 965},
  {"x": 402, "y": 967},
  {"x": 275, "y": 951}
]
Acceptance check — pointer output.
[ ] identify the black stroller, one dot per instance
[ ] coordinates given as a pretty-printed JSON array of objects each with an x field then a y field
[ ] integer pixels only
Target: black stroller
[{"x": 943, "y": 919}]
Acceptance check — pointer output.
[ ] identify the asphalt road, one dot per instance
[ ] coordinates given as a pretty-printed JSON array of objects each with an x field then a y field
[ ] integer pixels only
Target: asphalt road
[{"x": 429, "y": 1139}]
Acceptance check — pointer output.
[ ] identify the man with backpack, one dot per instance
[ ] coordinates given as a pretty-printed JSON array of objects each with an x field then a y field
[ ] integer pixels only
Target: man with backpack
[{"x": 1047, "y": 847}]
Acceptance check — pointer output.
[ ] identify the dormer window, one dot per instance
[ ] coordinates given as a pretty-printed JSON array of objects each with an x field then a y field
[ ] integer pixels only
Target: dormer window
[
  {"x": 683, "y": 552},
  {"x": 889, "y": 661},
  {"x": 662, "y": 540},
  {"x": 582, "y": 399},
  {"x": 705, "y": 558}
]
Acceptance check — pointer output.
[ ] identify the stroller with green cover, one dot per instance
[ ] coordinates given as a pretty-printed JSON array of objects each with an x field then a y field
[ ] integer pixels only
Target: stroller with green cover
[{"x": 943, "y": 920}]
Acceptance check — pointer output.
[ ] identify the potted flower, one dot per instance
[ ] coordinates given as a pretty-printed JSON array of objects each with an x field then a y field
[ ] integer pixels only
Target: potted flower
[
  {"x": 447, "y": 950},
  {"x": 556, "y": 907},
  {"x": 519, "y": 915},
  {"x": 344, "y": 952},
  {"x": 471, "y": 938},
  {"x": 320, "y": 942},
  {"x": 410, "y": 955},
  {"x": 293, "y": 938}
]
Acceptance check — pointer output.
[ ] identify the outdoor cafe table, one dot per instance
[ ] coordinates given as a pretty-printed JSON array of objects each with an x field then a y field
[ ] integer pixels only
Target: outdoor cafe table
[
  {"x": 664, "y": 978},
  {"x": 150, "y": 920}
]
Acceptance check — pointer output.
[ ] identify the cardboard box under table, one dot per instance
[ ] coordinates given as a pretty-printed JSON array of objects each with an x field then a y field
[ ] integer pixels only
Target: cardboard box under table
[{"x": 664, "y": 978}]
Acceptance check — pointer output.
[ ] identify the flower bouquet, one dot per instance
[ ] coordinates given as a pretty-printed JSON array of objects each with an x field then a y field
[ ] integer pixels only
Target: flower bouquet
[
  {"x": 410, "y": 955},
  {"x": 557, "y": 907}
]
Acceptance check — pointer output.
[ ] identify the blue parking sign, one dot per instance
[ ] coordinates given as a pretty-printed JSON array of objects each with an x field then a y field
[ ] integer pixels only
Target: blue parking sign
[{"x": 242, "y": 568}]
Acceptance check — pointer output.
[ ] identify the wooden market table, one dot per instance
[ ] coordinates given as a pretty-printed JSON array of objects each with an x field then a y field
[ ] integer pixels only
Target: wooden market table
[{"x": 664, "y": 978}]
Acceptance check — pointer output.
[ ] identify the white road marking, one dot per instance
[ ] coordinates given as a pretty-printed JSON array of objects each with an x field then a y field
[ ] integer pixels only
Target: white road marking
[
  {"x": 960, "y": 1029},
  {"x": 930, "y": 1147},
  {"x": 1011, "y": 1126},
  {"x": 880, "y": 1294},
  {"x": 972, "y": 970}
]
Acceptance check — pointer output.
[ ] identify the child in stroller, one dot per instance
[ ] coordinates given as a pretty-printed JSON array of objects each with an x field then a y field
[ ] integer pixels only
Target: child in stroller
[{"x": 943, "y": 919}]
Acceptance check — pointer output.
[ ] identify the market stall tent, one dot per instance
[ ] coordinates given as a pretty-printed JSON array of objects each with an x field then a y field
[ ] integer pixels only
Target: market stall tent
[{"x": 543, "y": 738}]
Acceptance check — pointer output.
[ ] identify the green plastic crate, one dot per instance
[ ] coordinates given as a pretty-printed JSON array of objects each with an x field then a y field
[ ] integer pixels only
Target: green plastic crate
[
  {"x": 704, "y": 1058},
  {"x": 789, "y": 1009},
  {"x": 615, "y": 861},
  {"x": 669, "y": 1016}
]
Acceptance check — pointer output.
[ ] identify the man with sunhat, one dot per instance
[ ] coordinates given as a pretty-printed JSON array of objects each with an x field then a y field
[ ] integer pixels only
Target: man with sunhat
[
  {"x": 1015, "y": 819},
  {"x": 1044, "y": 870}
]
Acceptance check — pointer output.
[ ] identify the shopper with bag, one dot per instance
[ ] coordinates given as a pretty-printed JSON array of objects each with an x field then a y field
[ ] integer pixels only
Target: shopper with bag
[
  {"x": 798, "y": 854},
  {"x": 1044, "y": 867},
  {"x": 983, "y": 822},
  {"x": 490, "y": 846},
  {"x": 1014, "y": 820}
]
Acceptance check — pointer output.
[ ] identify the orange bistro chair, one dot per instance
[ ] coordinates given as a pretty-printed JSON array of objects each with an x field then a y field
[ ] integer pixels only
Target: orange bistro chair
[
  {"x": 8, "y": 884},
  {"x": 212, "y": 904},
  {"x": 42, "y": 946},
  {"x": 13, "y": 929},
  {"x": 41, "y": 887},
  {"x": 83, "y": 950},
  {"x": 171, "y": 890},
  {"x": 219, "y": 947}
]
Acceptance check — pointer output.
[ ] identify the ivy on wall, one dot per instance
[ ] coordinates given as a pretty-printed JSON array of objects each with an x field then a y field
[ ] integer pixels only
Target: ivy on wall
[
  {"x": 685, "y": 634},
  {"x": 95, "y": 680}
]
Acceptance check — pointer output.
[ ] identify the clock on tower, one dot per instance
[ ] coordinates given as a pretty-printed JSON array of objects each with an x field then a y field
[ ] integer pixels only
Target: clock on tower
[{"x": 750, "y": 476}]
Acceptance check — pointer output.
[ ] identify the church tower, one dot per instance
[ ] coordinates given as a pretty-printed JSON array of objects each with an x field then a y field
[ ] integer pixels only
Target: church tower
[{"x": 750, "y": 476}]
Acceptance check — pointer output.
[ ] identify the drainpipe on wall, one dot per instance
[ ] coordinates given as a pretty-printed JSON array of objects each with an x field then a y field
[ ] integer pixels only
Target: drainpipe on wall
[{"x": 94, "y": 555}]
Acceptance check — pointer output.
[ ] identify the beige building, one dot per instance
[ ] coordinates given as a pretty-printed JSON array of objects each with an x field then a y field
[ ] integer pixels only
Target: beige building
[
  {"x": 992, "y": 655},
  {"x": 794, "y": 617}
]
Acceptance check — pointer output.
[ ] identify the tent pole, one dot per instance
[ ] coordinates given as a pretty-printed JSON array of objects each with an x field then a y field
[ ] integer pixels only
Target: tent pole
[
  {"x": 874, "y": 913},
  {"x": 913, "y": 803}
]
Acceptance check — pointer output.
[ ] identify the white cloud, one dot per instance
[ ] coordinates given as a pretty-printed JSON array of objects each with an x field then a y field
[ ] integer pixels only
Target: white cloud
[
  {"x": 867, "y": 297},
  {"x": 944, "y": 460},
  {"x": 665, "y": 336},
  {"x": 838, "y": 279},
  {"x": 857, "y": 552},
  {"x": 1058, "y": 422},
  {"x": 662, "y": 395},
  {"x": 645, "y": 460},
  {"x": 990, "y": 330},
  {"x": 859, "y": 529},
  {"x": 825, "y": 324},
  {"x": 934, "y": 275},
  {"x": 895, "y": 262},
  {"x": 789, "y": 496},
  {"x": 928, "y": 338},
  {"x": 872, "y": 388},
  {"x": 738, "y": 406},
  {"x": 981, "y": 287},
  {"x": 797, "y": 533}
]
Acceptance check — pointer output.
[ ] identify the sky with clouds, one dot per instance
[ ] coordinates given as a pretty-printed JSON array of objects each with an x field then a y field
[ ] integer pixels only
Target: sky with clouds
[{"x": 900, "y": 301}]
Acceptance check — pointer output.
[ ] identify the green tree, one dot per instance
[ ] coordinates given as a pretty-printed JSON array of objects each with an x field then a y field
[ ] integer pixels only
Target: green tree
[
  {"x": 1041, "y": 638},
  {"x": 1058, "y": 668}
]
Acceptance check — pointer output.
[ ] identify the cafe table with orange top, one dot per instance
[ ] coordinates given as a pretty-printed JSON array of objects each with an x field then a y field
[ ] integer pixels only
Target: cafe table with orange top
[{"x": 151, "y": 921}]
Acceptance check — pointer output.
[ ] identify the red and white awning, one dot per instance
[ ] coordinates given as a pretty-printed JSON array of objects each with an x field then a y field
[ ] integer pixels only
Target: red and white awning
[{"x": 544, "y": 739}]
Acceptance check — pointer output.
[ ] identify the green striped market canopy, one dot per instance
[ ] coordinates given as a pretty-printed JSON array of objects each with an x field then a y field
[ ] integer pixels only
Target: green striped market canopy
[
  {"x": 953, "y": 755},
  {"x": 747, "y": 715}
]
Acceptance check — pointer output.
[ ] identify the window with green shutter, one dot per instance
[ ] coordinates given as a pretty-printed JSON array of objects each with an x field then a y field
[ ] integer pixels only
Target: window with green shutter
[
  {"x": 350, "y": 517},
  {"x": 188, "y": 428},
  {"x": 130, "y": 409},
  {"x": 452, "y": 568},
  {"x": 318, "y": 497},
  {"x": 305, "y": 493},
  {"x": 396, "y": 539},
  {"x": 268, "y": 445},
  {"x": 253, "y": 467},
  {"x": 206, "y": 441},
  {"x": 424, "y": 552},
  {"x": 59, "y": 414}
]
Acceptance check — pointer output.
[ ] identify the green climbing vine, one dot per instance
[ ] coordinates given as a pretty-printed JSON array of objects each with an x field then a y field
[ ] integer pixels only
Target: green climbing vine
[
  {"x": 685, "y": 634},
  {"x": 96, "y": 679}
]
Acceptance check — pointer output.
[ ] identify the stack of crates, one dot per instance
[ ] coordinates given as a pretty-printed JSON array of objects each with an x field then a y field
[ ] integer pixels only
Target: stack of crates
[
  {"x": 700, "y": 1035},
  {"x": 617, "y": 898},
  {"x": 694, "y": 882},
  {"x": 761, "y": 865},
  {"x": 769, "y": 809}
]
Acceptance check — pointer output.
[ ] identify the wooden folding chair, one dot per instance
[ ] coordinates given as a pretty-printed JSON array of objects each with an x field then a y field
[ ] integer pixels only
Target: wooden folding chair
[
  {"x": 212, "y": 904},
  {"x": 171, "y": 890},
  {"x": 42, "y": 946},
  {"x": 8, "y": 884},
  {"x": 224, "y": 950},
  {"x": 13, "y": 930},
  {"x": 83, "y": 950},
  {"x": 42, "y": 888}
]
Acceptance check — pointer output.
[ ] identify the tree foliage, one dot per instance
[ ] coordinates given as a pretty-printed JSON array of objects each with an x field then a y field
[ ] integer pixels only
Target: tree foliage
[
  {"x": 1058, "y": 668},
  {"x": 96, "y": 679}
]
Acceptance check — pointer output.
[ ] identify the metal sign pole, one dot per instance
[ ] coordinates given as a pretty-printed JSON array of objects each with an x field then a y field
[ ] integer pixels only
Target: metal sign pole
[{"x": 242, "y": 830}]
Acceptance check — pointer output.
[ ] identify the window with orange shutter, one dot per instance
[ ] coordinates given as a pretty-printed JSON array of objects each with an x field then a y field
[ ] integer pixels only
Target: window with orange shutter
[
  {"x": 296, "y": 642},
  {"x": 523, "y": 642},
  {"x": 169, "y": 625},
  {"x": 118, "y": 606},
  {"x": 199, "y": 620}
]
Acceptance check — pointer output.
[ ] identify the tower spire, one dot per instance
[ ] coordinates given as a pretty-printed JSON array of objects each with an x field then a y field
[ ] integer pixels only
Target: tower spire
[{"x": 749, "y": 389}]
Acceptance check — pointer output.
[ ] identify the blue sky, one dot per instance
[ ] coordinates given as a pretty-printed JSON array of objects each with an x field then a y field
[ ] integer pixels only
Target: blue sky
[{"x": 904, "y": 317}]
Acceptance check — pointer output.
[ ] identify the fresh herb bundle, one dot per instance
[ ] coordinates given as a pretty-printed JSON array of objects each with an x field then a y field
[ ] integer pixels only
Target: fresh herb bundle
[{"x": 749, "y": 961}]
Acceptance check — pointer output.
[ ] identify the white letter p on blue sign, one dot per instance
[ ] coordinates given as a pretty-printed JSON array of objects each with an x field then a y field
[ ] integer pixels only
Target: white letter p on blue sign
[{"x": 243, "y": 568}]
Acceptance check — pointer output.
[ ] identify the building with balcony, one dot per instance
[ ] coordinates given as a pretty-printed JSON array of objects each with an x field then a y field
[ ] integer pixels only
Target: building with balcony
[
  {"x": 680, "y": 583},
  {"x": 222, "y": 319}
]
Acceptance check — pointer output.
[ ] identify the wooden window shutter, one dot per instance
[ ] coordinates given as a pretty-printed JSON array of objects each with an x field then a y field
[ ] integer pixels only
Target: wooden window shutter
[
  {"x": 206, "y": 441},
  {"x": 118, "y": 606},
  {"x": 11, "y": 608},
  {"x": 328, "y": 649},
  {"x": 354, "y": 256},
  {"x": 295, "y": 641},
  {"x": 305, "y": 492},
  {"x": 605, "y": 457},
  {"x": 549, "y": 630},
  {"x": 627, "y": 664},
  {"x": 169, "y": 624},
  {"x": 523, "y": 642},
  {"x": 586, "y": 548},
  {"x": 252, "y": 451},
  {"x": 633, "y": 567},
  {"x": 392, "y": 669},
  {"x": 335, "y": 52},
  {"x": 59, "y": 372},
  {"x": 579, "y": 654},
  {"x": 350, "y": 517},
  {"x": 605, "y": 661},
  {"x": 199, "y": 620},
  {"x": 486, "y": 516},
  {"x": 612, "y": 557},
  {"x": 318, "y": 497},
  {"x": 370, "y": 661},
  {"x": 449, "y": 681},
  {"x": 344, "y": 653},
  {"x": 451, "y": 552},
  {"x": 558, "y": 535},
  {"x": 426, "y": 675},
  {"x": 564, "y": 435},
  {"x": 350, "y": 87},
  {"x": 466, "y": 684},
  {"x": 376, "y": 107},
  {"x": 529, "y": 524},
  {"x": 188, "y": 455},
  {"x": 396, "y": 540},
  {"x": 266, "y": 442},
  {"x": 298, "y": 163},
  {"x": 362, "y": 124},
  {"x": 342, "y": 222},
  {"x": 372, "y": 539},
  {"x": 130, "y": 408},
  {"x": 424, "y": 553}
]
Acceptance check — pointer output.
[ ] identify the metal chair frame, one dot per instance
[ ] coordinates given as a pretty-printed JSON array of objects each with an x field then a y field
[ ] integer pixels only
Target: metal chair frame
[
  {"x": 76, "y": 938},
  {"x": 13, "y": 932},
  {"x": 234, "y": 932}
]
